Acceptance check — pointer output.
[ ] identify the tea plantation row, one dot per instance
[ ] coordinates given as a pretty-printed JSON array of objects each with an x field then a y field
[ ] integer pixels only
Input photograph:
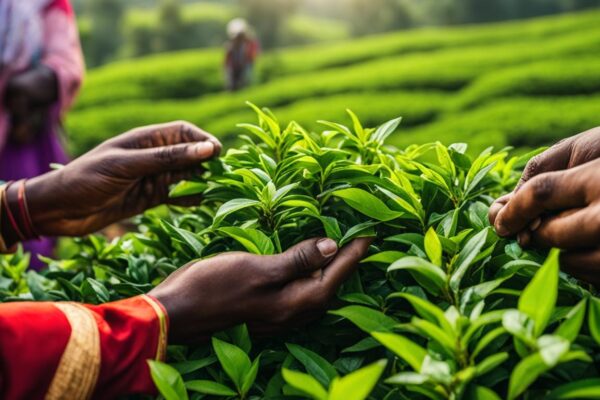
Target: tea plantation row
[{"x": 466, "y": 86}]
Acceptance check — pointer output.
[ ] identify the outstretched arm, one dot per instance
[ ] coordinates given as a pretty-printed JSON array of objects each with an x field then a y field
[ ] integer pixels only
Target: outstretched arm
[{"x": 68, "y": 350}]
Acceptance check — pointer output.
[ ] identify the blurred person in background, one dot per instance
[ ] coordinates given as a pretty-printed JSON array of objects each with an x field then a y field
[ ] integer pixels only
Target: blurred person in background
[
  {"x": 41, "y": 70},
  {"x": 241, "y": 52}
]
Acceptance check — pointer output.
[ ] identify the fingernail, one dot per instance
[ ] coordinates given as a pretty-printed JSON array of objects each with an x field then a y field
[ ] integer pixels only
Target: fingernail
[
  {"x": 535, "y": 224},
  {"x": 204, "y": 149},
  {"x": 327, "y": 247},
  {"x": 501, "y": 230},
  {"x": 523, "y": 238}
]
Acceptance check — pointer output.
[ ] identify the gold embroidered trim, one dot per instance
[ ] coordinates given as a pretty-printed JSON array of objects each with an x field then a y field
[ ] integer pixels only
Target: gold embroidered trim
[
  {"x": 162, "y": 322},
  {"x": 79, "y": 365}
]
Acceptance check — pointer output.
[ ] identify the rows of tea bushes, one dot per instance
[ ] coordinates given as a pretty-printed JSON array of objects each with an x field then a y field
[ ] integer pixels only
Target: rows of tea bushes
[
  {"x": 441, "y": 308},
  {"x": 474, "y": 66},
  {"x": 128, "y": 79}
]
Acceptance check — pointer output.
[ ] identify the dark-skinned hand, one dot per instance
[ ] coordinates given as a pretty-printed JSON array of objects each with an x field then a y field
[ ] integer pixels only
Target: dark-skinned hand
[
  {"x": 567, "y": 153},
  {"x": 27, "y": 97},
  {"x": 118, "y": 179},
  {"x": 559, "y": 209},
  {"x": 268, "y": 293}
]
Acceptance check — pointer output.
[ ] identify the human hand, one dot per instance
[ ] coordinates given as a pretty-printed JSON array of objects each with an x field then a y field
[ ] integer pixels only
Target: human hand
[
  {"x": 118, "y": 179},
  {"x": 561, "y": 209},
  {"x": 268, "y": 293},
  {"x": 568, "y": 153},
  {"x": 33, "y": 88}
]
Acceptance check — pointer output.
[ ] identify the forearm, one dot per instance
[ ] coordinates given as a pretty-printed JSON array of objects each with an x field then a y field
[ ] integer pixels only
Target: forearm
[
  {"x": 99, "y": 350},
  {"x": 25, "y": 208}
]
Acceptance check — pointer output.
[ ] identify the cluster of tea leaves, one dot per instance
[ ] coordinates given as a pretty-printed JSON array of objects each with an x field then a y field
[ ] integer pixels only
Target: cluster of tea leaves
[{"x": 440, "y": 308}]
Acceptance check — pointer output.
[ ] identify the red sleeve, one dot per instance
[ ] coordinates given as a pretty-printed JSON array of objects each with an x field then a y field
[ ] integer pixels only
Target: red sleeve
[
  {"x": 130, "y": 335},
  {"x": 67, "y": 350}
]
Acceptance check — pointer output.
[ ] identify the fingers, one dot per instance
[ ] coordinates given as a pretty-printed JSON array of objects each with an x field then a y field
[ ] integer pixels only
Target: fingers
[
  {"x": 547, "y": 192},
  {"x": 302, "y": 259},
  {"x": 554, "y": 159},
  {"x": 497, "y": 206},
  {"x": 161, "y": 135},
  {"x": 158, "y": 160},
  {"x": 345, "y": 263},
  {"x": 582, "y": 265},
  {"x": 573, "y": 229}
]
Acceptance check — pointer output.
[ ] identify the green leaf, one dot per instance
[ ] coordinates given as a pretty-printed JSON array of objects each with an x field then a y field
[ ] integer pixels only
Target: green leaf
[
  {"x": 430, "y": 276},
  {"x": 305, "y": 383},
  {"x": 92, "y": 289},
  {"x": 552, "y": 348},
  {"x": 167, "y": 380},
  {"x": 188, "y": 188},
  {"x": 250, "y": 376},
  {"x": 232, "y": 206},
  {"x": 233, "y": 360},
  {"x": 570, "y": 327},
  {"x": 358, "y": 384},
  {"x": 385, "y": 130},
  {"x": 253, "y": 240},
  {"x": 404, "y": 348},
  {"x": 427, "y": 310},
  {"x": 367, "y": 204},
  {"x": 185, "y": 367},
  {"x": 260, "y": 133},
  {"x": 367, "y": 319},
  {"x": 209, "y": 387},
  {"x": 466, "y": 257},
  {"x": 315, "y": 365},
  {"x": 539, "y": 297},
  {"x": 185, "y": 237},
  {"x": 444, "y": 158},
  {"x": 433, "y": 247},
  {"x": 490, "y": 363},
  {"x": 594, "y": 318},
  {"x": 525, "y": 373},
  {"x": 582, "y": 389},
  {"x": 482, "y": 393},
  {"x": 433, "y": 332},
  {"x": 385, "y": 257},
  {"x": 364, "y": 229}
]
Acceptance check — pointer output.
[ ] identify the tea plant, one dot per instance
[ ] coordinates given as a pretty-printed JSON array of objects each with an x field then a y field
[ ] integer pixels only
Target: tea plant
[{"x": 441, "y": 307}]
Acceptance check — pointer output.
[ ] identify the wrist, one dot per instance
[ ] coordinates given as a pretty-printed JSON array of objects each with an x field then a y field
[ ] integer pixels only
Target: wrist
[
  {"x": 42, "y": 203},
  {"x": 13, "y": 227}
]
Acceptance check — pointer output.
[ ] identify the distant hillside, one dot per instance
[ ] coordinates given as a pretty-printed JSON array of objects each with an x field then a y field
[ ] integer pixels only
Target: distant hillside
[{"x": 520, "y": 83}]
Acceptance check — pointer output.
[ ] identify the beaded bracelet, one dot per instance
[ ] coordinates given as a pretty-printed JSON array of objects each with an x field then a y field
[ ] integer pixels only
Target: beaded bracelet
[{"x": 24, "y": 209}]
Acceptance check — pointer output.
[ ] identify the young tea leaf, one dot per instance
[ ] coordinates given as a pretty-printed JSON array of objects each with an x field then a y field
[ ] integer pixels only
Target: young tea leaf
[
  {"x": 168, "y": 381},
  {"x": 305, "y": 383},
  {"x": 539, "y": 297},
  {"x": 233, "y": 360},
  {"x": 358, "y": 384},
  {"x": 367, "y": 204}
]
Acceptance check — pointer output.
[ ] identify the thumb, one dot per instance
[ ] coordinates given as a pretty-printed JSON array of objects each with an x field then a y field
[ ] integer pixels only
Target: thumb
[
  {"x": 305, "y": 257},
  {"x": 177, "y": 157}
]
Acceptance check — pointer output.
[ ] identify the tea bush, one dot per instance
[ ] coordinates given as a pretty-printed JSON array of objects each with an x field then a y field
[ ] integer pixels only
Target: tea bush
[
  {"x": 467, "y": 76},
  {"x": 520, "y": 121},
  {"x": 160, "y": 76},
  {"x": 578, "y": 76},
  {"x": 440, "y": 308}
]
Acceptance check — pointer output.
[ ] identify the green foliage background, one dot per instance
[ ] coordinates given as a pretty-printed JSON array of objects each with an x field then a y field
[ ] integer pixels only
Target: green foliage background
[{"x": 523, "y": 83}]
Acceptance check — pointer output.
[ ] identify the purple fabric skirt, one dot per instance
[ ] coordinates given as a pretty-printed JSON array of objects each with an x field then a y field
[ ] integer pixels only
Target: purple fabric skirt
[{"x": 30, "y": 160}]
